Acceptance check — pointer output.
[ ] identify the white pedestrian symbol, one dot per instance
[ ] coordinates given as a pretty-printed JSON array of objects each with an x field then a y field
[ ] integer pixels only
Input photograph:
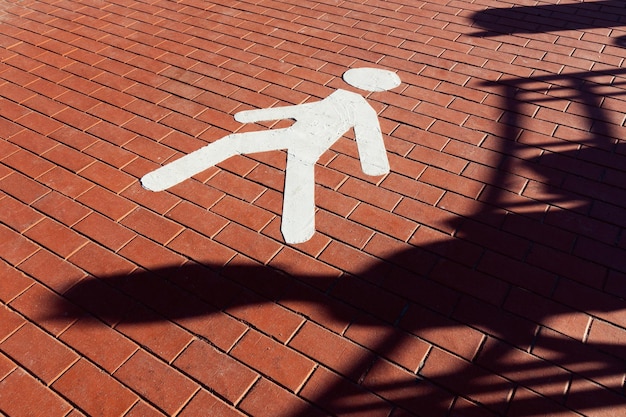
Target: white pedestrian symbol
[{"x": 316, "y": 128}]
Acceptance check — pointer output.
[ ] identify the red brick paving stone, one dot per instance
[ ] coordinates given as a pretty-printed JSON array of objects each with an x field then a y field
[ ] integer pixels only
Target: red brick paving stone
[
  {"x": 65, "y": 182},
  {"x": 149, "y": 254},
  {"x": 457, "y": 375},
  {"x": 392, "y": 343},
  {"x": 305, "y": 268},
  {"x": 105, "y": 231},
  {"x": 366, "y": 296},
  {"x": 23, "y": 188},
  {"x": 427, "y": 215},
  {"x": 39, "y": 353},
  {"x": 98, "y": 342},
  {"x": 278, "y": 362},
  {"x": 282, "y": 402},
  {"x": 201, "y": 249},
  {"x": 56, "y": 237},
  {"x": 44, "y": 307},
  {"x": 236, "y": 186},
  {"x": 95, "y": 392},
  {"x": 11, "y": 321},
  {"x": 466, "y": 280},
  {"x": 609, "y": 337},
  {"x": 52, "y": 271},
  {"x": 248, "y": 242},
  {"x": 313, "y": 247},
  {"x": 406, "y": 390},
  {"x": 216, "y": 371},
  {"x": 525, "y": 369},
  {"x": 526, "y": 402},
  {"x": 385, "y": 222},
  {"x": 143, "y": 409},
  {"x": 242, "y": 212},
  {"x": 27, "y": 163},
  {"x": 151, "y": 225},
  {"x": 198, "y": 193},
  {"x": 157, "y": 202},
  {"x": 17, "y": 215},
  {"x": 341, "y": 397},
  {"x": 431, "y": 240},
  {"x": 333, "y": 201},
  {"x": 587, "y": 397},
  {"x": 100, "y": 262},
  {"x": 442, "y": 331},
  {"x": 205, "y": 404},
  {"x": 266, "y": 316},
  {"x": 333, "y": 351},
  {"x": 544, "y": 311},
  {"x": 107, "y": 176},
  {"x": 155, "y": 333},
  {"x": 6, "y": 366},
  {"x": 69, "y": 158},
  {"x": 154, "y": 380},
  {"x": 197, "y": 218},
  {"x": 12, "y": 282},
  {"x": 40, "y": 401},
  {"x": 14, "y": 248},
  {"x": 106, "y": 202}
]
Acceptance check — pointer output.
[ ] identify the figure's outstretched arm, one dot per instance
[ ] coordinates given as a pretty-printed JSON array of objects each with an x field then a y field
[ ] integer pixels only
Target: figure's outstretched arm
[
  {"x": 272, "y": 113},
  {"x": 369, "y": 139}
]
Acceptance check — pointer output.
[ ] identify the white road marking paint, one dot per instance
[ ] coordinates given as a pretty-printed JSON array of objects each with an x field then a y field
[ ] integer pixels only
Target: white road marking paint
[{"x": 317, "y": 127}]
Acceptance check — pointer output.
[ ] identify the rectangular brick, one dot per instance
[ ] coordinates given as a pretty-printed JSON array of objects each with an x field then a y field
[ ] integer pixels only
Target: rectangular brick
[
  {"x": 247, "y": 242},
  {"x": 407, "y": 391},
  {"x": 39, "y": 352},
  {"x": 95, "y": 392},
  {"x": 106, "y": 202},
  {"x": 462, "y": 377},
  {"x": 338, "y": 395},
  {"x": 167, "y": 388},
  {"x": 332, "y": 350},
  {"x": 15, "y": 248},
  {"x": 241, "y": 212},
  {"x": 39, "y": 401},
  {"x": 56, "y": 237},
  {"x": 23, "y": 188},
  {"x": 283, "y": 402},
  {"x": 201, "y": 249},
  {"x": 278, "y": 362},
  {"x": 384, "y": 221},
  {"x": 154, "y": 332},
  {"x": 99, "y": 342},
  {"x": 266, "y": 316},
  {"x": 217, "y": 371}
]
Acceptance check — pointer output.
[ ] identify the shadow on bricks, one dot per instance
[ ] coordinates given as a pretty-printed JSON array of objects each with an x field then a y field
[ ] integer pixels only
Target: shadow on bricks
[
  {"x": 517, "y": 310},
  {"x": 519, "y": 314}
]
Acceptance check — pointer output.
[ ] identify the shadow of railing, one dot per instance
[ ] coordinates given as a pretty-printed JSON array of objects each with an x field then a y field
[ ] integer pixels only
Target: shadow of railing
[
  {"x": 493, "y": 321},
  {"x": 550, "y": 17}
]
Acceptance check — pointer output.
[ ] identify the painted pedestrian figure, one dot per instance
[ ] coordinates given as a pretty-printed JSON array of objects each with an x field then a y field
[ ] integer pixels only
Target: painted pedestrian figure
[{"x": 316, "y": 128}]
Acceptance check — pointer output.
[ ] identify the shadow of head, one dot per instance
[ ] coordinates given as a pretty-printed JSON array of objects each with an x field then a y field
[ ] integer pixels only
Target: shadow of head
[{"x": 551, "y": 18}]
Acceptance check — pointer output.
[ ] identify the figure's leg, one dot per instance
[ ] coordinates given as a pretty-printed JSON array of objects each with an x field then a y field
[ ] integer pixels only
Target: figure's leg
[
  {"x": 298, "y": 223},
  {"x": 189, "y": 165}
]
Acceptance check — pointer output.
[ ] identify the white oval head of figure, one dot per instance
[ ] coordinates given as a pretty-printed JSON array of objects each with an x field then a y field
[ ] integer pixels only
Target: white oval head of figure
[{"x": 371, "y": 79}]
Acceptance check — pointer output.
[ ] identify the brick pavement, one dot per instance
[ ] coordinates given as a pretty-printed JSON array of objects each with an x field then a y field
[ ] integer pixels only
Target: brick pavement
[{"x": 485, "y": 275}]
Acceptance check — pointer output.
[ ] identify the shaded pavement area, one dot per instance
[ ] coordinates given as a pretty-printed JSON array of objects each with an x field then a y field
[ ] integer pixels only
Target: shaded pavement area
[{"x": 485, "y": 275}]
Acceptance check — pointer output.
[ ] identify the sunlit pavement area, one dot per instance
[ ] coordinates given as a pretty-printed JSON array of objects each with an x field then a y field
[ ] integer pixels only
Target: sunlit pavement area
[{"x": 484, "y": 275}]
